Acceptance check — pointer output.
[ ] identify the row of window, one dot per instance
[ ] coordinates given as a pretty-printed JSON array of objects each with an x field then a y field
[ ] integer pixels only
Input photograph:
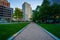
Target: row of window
[
  {"x": 6, "y": 15},
  {"x": 5, "y": 3},
  {"x": 5, "y": 12}
]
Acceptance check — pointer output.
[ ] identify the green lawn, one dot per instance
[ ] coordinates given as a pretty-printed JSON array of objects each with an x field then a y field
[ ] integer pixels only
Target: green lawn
[
  {"x": 53, "y": 28},
  {"x": 7, "y": 30}
]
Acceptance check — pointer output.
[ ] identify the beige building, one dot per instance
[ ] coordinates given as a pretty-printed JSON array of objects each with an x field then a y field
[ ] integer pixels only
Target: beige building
[{"x": 27, "y": 11}]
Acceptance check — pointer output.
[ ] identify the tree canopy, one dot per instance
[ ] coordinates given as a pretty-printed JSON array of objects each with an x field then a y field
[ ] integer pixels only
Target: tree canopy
[
  {"x": 18, "y": 13},
  {"x": 46, "y": 11}
]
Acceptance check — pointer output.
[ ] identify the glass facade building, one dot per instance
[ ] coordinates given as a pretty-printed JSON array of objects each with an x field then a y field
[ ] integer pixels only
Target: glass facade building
[{"x": 54, "y": 1}]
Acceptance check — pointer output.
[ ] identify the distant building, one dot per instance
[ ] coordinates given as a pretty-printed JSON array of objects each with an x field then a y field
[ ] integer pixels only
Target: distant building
[
  {"x": 54, "y": 1},
  {"x": 5, "y": 11},
  {"x": 27, "y": 11}
]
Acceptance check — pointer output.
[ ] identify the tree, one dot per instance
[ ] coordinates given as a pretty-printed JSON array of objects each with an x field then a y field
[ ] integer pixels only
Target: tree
[
  {"x": 41, "y": 11},
  {"x": 55, "y": 11},
  {"x": 44, "y": 10},
  {"x": 47, "y": 12},
  {"x": 45, "y": 3},
  {"x": 18, "y": 14},
  {"x": 36, "y": 14}
]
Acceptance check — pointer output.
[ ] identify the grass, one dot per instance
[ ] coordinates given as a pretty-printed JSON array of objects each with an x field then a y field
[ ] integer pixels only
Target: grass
[
  {"x": 52, "y": 28},
  {"x": 7, "y": 30}
]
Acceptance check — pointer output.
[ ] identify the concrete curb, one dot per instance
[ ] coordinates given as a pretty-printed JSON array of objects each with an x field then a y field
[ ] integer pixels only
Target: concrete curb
[
  {"x": 53, "y": 36},
  {"x": 12, "y": 37}
]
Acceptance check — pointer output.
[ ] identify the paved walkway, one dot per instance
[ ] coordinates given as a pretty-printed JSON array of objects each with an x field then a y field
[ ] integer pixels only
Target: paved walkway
[{"x": 33, "y": 32}]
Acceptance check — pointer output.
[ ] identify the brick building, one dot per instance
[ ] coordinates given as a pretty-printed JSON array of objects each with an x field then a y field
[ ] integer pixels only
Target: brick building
[{"x": 5, "y": 11}]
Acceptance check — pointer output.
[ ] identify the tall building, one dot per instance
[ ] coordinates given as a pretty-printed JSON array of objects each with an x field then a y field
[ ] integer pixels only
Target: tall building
[
  {"x": 5, "y": 11},
  {"x": 27, "y": 11}
]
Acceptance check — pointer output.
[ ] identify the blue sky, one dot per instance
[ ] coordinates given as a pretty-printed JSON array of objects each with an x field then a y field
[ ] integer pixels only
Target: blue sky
[{"x": 18, "y": 3}]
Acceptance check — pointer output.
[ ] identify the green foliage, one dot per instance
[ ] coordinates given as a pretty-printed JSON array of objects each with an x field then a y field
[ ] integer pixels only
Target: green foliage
[
  {"x": 41, "y": 11},
  {"x": 45, "y": 3},
  {"x": 46, "y": 11},
  {"x": 18, "y": 13},
  {"x": 35, "y": 15},
  {"x": 55, "y": 9}
]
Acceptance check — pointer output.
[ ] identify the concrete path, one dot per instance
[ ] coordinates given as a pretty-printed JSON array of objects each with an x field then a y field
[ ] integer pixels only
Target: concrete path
[{"x": 33, "y": 32}]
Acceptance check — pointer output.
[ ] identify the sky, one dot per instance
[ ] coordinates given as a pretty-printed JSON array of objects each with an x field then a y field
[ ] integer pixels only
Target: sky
[{"x": 18, "y": 3}]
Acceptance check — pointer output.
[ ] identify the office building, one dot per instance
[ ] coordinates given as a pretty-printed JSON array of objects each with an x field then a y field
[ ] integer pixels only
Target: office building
[
  {"x": 5, "y": 11},
  {"x": 27, "y": 11}
]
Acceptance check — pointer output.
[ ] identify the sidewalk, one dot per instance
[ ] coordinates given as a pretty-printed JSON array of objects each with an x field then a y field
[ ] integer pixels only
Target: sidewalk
[{"x": 33, "y": 32}]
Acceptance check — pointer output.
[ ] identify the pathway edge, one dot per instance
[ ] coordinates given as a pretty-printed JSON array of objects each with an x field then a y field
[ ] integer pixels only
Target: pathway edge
[
  {"x": 53, "y": 36},
  {"x": 14, "y": 35}
]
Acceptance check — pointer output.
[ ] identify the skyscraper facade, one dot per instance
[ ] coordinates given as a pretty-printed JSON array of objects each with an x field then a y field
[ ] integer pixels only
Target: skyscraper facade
[
  {"x": 5, "y": 11},
  {"x": 27, "y": 11}
]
